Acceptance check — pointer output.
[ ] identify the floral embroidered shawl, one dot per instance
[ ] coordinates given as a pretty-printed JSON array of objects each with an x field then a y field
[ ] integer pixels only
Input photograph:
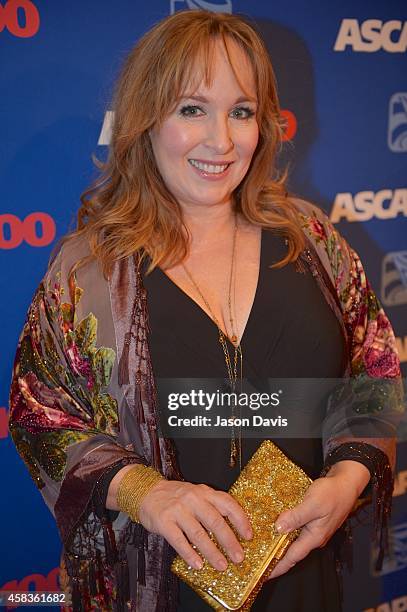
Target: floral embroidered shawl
[{"x": 83, "y": 400}]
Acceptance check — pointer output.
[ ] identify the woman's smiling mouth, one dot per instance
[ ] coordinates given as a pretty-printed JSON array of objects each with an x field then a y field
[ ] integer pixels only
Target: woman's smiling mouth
[{"x": 210, "y": 169}]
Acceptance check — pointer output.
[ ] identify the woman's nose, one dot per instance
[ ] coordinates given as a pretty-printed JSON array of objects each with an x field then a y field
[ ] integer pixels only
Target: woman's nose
[{"x": 219, "y": 135}]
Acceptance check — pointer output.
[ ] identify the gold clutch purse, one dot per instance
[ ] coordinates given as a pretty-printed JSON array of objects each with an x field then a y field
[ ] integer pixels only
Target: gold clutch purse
[{"x": 267, "y": 485}]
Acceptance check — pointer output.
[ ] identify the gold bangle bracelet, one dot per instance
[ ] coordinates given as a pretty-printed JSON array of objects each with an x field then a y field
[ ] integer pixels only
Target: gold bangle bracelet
[{"x": 133, "y": 488}]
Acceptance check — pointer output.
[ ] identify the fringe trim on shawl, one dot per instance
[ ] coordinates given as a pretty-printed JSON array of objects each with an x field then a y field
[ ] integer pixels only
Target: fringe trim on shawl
[
  {"x": 379, "y": 492},
  {"x": 98, "y": 580},
  {"x": 168, "y": 594},
  {"x": 101, "y": 581}
]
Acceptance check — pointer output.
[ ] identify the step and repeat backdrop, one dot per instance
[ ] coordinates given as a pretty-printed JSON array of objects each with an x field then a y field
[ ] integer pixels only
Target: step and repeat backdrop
[{"x": 342, "y": 74}]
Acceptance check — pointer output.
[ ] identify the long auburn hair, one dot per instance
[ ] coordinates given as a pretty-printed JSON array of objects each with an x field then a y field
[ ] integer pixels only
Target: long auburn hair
[{"x": 128, "y": 208}]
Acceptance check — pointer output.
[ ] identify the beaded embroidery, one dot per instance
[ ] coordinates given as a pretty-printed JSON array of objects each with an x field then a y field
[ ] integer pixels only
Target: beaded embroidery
[{"x": 59, "y": 397}]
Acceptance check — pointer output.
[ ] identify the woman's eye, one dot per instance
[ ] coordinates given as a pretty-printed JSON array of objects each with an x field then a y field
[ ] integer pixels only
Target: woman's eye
[
  {"x": 243, "y": 112},
  {"x": 190, "y": 111}
]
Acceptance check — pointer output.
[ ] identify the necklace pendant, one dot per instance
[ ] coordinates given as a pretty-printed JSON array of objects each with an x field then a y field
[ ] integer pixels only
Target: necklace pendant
[
  {"x": 231, "y": 366},
  {"x": 233, "y": 453}
]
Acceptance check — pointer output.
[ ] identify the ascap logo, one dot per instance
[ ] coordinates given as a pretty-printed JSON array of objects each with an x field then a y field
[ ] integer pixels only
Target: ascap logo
[
  {"x": 3, "y": 423},
  {"x": 365, "y": 205},
  {"x": 223, "y": 6},
  {"x": 105, "y": 136},
  {"x": 397, "y": 132},
  {"x": 35, "y": 582},
  {"x": 37, "y": 229},
  {"x": 372, "y": 35},
  {"x": 394, "y": 279},
  {"x": 394, "y": 605},
  {"x": 10, "y": 18},
  {"x": 402, "y": 348},
  {"x": 400, "y": 483},
  {"x": 397, "y": 559}
]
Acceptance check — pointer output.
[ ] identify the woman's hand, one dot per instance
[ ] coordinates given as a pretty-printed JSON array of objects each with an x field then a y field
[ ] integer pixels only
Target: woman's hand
[
  {"x": 181, "y": 511},
  {"x": 326, "y": 505}
]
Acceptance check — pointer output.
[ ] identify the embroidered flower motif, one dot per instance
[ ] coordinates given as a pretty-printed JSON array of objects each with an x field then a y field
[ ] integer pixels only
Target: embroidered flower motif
[
  {"x": 58, "y": 395},
  {"x": 43, "y": 408},
  {"x": 381, "y": 364},
  {"x": 370, "y": 336},
  {"x": 317, "y": 229}
]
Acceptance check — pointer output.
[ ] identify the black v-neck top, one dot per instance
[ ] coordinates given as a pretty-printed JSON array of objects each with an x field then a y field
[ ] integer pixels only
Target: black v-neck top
[{"x": 291, "y": 332}]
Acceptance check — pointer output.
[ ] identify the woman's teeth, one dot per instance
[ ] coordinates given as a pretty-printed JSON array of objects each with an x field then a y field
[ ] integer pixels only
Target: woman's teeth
[{"x": 209, "y": 168}]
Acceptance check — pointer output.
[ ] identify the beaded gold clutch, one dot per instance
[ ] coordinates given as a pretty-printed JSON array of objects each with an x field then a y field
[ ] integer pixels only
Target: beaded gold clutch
[{"x": 267, "y": 485}]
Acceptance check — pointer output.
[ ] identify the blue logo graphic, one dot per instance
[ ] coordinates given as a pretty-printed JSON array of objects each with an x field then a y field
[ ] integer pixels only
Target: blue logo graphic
[
  {"x": 397, "y": 558},
  {"x": 222, "y": 6},
  {"x": 397, "y": 134},
  {"x": 394, "y": 279}
]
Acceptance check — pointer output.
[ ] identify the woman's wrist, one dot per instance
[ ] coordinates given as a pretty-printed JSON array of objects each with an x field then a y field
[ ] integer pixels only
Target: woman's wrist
[
  {"x": 356, "y": 474},
  {"x": 375, "y": 460},
  {"x": 111, "y": 497},
  {"x": 134, "y": 486}
]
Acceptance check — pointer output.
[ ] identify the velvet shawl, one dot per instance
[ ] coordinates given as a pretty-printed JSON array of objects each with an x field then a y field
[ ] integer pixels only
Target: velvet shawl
[{"x": 83, "y": 400}]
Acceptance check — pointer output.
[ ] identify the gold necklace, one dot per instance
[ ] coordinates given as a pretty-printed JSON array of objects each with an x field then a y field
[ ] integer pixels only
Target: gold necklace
[{"x": 232, "y": 367}]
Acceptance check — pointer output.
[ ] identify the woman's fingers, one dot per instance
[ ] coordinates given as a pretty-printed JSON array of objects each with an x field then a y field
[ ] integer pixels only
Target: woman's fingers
[
  {"x": 322, "y": 512},
  {"x": 309, "y": 509},
  {"x": 208, "y": 507},
  {"x": 177, "y": 539},
  {"x": 195, "y": 510},
  {"x": 306, "y": 541},
  {"x": 214, "y": 522},
  {"x": 198, "y": 535},
  {"x": 229, "y": 507}
]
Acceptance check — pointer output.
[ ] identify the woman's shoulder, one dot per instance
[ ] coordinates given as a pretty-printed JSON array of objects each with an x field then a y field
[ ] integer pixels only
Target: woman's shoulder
[
  {"x": 77, "y": 294},
  {"x": 317, "y": 226},
  {"x": 307, "y": 210},
  {"x": 72, "y": 258},
  {"x": 74, "y": 274},
  {"x": 68, "y": 253},
  {"x": 333, "y": 251}
]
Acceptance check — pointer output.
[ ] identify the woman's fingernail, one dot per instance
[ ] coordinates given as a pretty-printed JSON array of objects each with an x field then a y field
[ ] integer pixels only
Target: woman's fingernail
[
  {"x": 222, "y": 565},
  {"x": 282, "y": 527},
  {"x": 248, "y": 534},
  {"x": 198, "y": 564},
  {"x": 238, "y": 556}
]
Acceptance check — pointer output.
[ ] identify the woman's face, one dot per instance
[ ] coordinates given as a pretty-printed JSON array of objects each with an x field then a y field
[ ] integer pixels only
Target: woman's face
[{"x": 204, "y": 148}]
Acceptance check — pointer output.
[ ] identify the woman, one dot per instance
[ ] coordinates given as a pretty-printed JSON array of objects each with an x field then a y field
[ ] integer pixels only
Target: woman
[{"x": 172, "y": 254}]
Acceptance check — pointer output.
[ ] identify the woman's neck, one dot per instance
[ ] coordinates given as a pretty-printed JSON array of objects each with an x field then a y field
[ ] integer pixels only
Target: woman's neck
[{"x": 208, "y": 224}]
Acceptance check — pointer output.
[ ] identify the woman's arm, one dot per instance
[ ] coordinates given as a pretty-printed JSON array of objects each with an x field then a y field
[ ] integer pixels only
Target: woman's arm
[
  {"x": 111, "y": 499},
  {"x": 183, "y": 513},
  {"x": 326, "y": 506},
  {"x": 63, "y": 415},
  {"x": 360, "y": 428}
]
